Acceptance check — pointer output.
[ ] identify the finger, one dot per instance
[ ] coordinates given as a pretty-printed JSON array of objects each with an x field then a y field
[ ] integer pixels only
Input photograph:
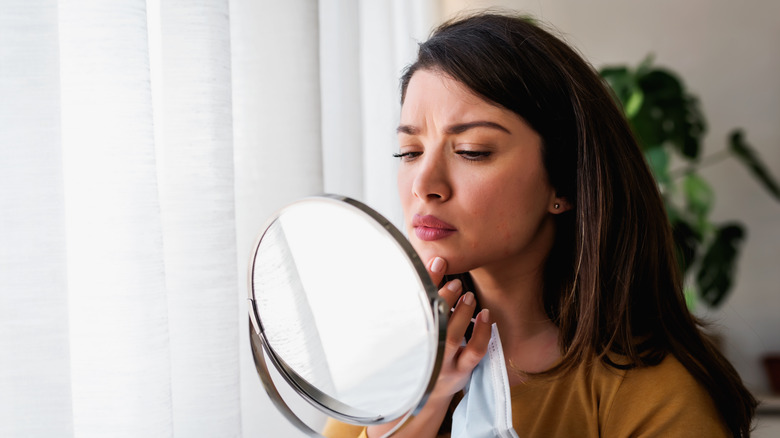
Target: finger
[
  {"x": 475, "y": 350},
  {"x": 460, "y": 320},
  {"x": 451, "y": 292},
  {"x": 436, "y": 267}
]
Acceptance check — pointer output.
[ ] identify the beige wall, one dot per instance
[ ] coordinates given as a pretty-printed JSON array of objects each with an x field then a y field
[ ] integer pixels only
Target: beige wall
[{"x": 727, "y": 53}]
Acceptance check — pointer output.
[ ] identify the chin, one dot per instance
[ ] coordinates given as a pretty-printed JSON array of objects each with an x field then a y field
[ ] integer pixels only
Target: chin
[
  {"x": 424, "y": 250},
  {"x": 456, "y": 264}
]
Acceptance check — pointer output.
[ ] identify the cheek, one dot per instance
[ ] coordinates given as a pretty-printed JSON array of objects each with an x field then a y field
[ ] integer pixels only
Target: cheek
[
  {"x": 512, "y": 214},
  {"x": 505, "y": 230},
  {"x": 508, "y": 227},
  {"x": 492, "y": 218}
]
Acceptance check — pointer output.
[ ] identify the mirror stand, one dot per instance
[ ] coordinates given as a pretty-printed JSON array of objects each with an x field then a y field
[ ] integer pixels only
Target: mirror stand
[{"x": 344, "y": 321}]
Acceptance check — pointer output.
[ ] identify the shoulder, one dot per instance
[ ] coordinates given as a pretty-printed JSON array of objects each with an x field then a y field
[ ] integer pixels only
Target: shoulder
[
  {"x": 661, "y": 400},
  {"x": 668, "y": 375},
  {"x": 337, "y": 429}
]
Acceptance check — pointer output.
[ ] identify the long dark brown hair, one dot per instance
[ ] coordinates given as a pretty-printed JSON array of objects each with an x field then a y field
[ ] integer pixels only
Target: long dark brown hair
[{"x": 612, "y": 284}]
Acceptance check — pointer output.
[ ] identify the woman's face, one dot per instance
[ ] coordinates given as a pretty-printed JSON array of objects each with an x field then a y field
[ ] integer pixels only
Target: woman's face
[{"x": 471, "y": 180}]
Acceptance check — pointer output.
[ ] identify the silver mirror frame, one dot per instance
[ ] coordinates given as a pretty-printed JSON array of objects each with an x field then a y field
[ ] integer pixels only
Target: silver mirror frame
[{"x": 263, "y": 352}]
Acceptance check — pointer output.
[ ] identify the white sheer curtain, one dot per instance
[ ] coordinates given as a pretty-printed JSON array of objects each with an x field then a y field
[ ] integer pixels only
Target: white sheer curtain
[{"x": 142, "y": 146}]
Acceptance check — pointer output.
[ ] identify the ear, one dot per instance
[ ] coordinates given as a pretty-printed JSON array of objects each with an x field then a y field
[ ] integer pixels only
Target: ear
[{"x": 559, "y": 205}]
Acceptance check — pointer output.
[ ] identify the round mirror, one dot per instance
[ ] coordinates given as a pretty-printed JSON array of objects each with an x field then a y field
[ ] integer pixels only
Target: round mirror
[{"x": 344, "y": 310}]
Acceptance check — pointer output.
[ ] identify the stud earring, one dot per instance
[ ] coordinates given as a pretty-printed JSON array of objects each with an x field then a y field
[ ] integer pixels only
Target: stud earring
[{"x": 557, "y": 205}]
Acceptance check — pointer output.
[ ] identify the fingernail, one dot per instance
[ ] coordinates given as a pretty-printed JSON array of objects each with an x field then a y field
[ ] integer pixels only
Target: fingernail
[
  {"x": 484, "y": 315},
  {"x": 468, "y": 299},
  {"x": 454, "y": 285},
  {"x": 438, "y": 265}
]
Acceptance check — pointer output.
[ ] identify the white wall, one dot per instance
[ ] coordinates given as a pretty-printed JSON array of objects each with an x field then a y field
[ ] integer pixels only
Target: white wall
[{"x": 727, "y": 54}]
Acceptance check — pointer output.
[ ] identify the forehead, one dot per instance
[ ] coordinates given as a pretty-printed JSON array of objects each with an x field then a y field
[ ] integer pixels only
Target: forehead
[{"x": 434, "y": 92}]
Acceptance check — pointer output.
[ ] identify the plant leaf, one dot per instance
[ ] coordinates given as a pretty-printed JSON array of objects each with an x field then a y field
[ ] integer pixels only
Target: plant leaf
[
  {"x": 634, "y": 102},
  {"x": 699, "y": 196},
  {"x": 693, "y": 129},
  {"x": 668, "y": 114},
  {"x": 646, "y": 65},
  {"x": 623, "y": 84},
  {"x": 748, "y": 156},
  {"x": 690, "y": 298},
  {"x": 658, "y": 159},
  {"x": 718, "y": 265}
]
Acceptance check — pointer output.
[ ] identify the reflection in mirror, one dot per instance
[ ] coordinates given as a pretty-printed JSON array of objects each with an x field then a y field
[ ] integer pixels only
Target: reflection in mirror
[{"x": 345, "y": 310}]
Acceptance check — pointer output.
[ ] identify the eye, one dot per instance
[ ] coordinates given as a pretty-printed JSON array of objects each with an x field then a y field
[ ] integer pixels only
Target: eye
[
  {"x": 407, "y": 156},
  {"x": 474, "y": 155}
]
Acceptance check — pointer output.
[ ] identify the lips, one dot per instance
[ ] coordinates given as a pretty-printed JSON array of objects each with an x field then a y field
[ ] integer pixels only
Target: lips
[{"x": 430, "y": 228}]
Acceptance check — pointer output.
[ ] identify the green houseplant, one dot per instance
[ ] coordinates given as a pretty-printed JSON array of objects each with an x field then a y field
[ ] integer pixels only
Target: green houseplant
[{"x": 669, "y": 125}]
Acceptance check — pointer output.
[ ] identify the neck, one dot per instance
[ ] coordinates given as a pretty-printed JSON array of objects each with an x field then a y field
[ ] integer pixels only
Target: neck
[
  {"x": 513, "y": 292},
  {"x": 514, "y": 299}
]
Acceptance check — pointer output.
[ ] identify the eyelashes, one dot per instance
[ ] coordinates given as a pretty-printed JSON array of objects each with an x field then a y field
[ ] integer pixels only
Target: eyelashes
[
  {"x": 467, "y": 155},
  {"x": 406, "y": 156},
  {"x": 474, "y": 155}
]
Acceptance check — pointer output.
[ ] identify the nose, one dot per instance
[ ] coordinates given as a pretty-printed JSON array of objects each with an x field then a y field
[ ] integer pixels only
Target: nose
[{"x": 432, "y": 180}]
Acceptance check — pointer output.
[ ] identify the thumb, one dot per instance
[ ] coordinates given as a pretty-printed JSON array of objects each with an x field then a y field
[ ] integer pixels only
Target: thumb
[{"x": 436, "y": 267}]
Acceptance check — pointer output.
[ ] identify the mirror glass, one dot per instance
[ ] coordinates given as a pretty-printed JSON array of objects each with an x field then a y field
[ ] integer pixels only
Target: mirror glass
[{"x": 345, "y": 310}]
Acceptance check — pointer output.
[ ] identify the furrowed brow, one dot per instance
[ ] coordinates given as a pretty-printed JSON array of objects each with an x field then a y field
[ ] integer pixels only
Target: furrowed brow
[
  {"x": 463, "y": 127},
  {"x": 407, "y": 129}
]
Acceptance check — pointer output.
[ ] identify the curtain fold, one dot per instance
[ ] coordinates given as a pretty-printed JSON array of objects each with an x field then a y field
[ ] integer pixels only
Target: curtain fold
[
  {"x": 277, "y": 148},
  {"x": 342, "y": 131},
  {"x": 117, "y": 306},
  {"x": 34, "y": 350},
  {"x": 195, "y": 166}
]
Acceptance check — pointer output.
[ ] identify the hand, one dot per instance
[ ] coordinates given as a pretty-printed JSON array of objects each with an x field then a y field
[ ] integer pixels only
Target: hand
[{"x": 459, "y": 360}]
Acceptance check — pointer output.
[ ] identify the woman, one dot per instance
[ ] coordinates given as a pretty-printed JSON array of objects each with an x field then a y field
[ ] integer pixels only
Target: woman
[{"x": 519, "y": 172}]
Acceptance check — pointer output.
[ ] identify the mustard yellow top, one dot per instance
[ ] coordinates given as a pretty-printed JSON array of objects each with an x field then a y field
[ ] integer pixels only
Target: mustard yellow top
[{"x": 659, "y": 401}]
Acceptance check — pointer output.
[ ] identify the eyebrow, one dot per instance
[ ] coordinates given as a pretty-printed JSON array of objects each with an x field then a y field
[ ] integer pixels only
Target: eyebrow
[{"x": 455, "y": 129}]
